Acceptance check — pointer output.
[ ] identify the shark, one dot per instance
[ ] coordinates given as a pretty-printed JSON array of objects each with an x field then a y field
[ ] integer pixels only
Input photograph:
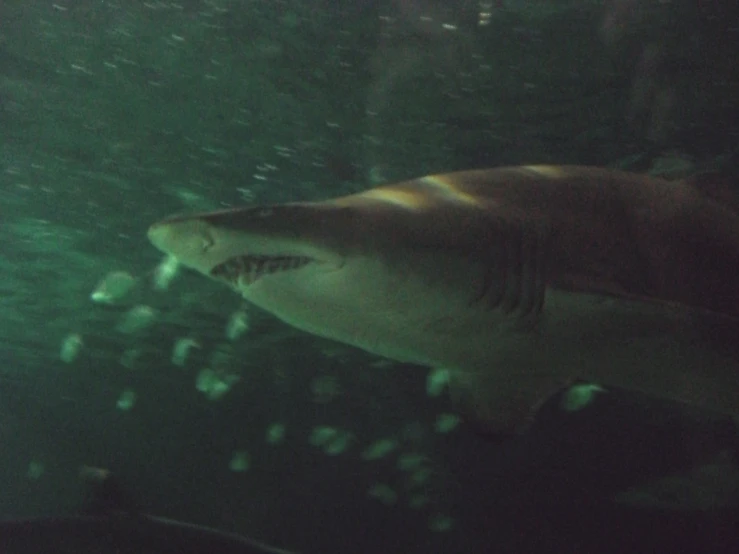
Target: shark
[{"x": 519, "y": 281}]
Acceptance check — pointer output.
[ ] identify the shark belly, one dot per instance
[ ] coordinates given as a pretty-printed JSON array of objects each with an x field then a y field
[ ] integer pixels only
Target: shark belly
[
  {"x": 504, "y": 367},
  {"x": 644, "y": 347}
]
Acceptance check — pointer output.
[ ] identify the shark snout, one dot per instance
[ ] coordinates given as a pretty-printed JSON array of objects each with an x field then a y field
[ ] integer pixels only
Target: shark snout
[
  {"x": 158, "y": 235},
  {"x": 187, "y": 240}
]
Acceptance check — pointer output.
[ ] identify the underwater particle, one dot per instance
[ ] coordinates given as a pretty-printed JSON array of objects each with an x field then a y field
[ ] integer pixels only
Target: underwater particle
[
  {"x": 214, "y": 384},
  {"x": 436, "y": 381},
  {"x": 71, "y": 346},
  {"x": 418, "y": 501},
  {"x": 338, "y": 444},
  {"x": 379, "y": 449},
  {"x": 35, "y": 470},
  {"x": 129, "y": 357},
  {"x": 275, "y": 433},
  {"x": 165, "y": 272},
  {"x": 446, "y": 423},
  {"x": 578, "y": 396},
  {"x": 383, "y": 493},
  {"x": 126, "y": 400},
  {"x": 181, "y": 350},
  {"x": 237, "y": 325},
  {"x": 137, "y": 319},
  {"x": 333, "y": 441},
  {"x": 194, "y": 201},
  {"x": 113, "y": 287},
  {"x": 321, "y": 435},
  {"x": 410, "y": 462},
  {"x": 222, "y": 356},
  {"x": 204, "y": 380},
  {"x": 240, "y": 461},
  {"x": 672, "y": 165},
  {"x": 221, "y": 387},
  {"x": 419, "y": 477},
  {"x": 485, "y": 14},
  {"x": 325, "y": 388},
  {"x": 376, "y": 176},
  {"x": 440, "y": 523}
]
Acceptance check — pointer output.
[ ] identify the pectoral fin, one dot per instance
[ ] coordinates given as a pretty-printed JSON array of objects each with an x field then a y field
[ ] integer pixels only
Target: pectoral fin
[{"x": 507, "y": 406}]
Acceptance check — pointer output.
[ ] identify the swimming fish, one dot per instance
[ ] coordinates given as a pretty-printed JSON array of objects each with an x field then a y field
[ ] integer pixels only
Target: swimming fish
[{"x": 518, "y": 280}]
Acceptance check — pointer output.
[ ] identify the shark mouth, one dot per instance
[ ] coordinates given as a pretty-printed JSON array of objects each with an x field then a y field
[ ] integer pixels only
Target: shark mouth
[{"x": 245, "y": 270}]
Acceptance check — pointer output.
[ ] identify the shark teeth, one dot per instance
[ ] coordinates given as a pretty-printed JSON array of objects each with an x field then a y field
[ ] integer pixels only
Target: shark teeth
[{"x": 244, "y": 270}]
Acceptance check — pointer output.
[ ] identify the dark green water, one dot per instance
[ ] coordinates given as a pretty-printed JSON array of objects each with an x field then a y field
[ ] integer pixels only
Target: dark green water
[{"x": 116, "y": 113}]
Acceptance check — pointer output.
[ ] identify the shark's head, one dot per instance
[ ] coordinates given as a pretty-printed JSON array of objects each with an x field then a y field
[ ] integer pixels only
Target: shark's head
[
  {"x": 369, "y": 269},
  {"x": 283, "y": 251},
  {"x": 313, "y": 265}
]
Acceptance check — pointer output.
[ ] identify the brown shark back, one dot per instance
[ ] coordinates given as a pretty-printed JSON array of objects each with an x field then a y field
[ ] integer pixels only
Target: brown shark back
[{"x": 614, "y": 232}]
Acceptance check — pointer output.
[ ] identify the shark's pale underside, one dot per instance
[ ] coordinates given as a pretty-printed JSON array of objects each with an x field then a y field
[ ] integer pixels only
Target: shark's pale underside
[{"x": 517, "y": 280}]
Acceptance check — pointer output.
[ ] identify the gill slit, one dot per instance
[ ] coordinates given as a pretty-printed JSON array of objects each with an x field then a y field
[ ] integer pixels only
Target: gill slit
[{"x": 514, "y": 274}]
